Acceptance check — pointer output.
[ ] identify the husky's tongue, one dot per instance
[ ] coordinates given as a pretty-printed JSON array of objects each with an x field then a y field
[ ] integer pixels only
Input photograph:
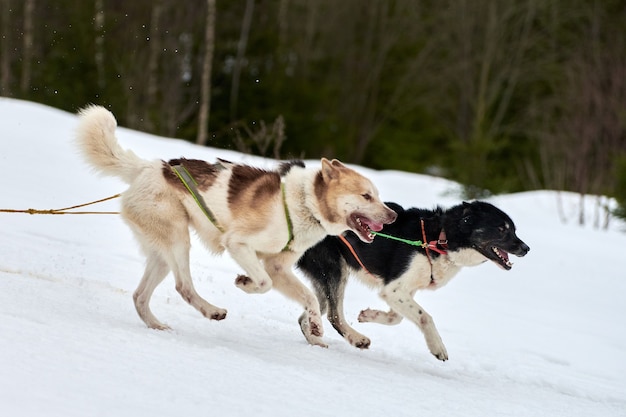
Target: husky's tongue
[{"x": 376, "y": 227}]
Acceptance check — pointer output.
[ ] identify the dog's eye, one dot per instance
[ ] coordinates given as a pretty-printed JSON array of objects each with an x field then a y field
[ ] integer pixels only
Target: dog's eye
[{"x": 367, "y": 197}]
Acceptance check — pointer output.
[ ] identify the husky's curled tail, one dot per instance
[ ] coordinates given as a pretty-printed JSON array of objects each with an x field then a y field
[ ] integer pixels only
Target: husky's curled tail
[{"x": 97, "y": 141}]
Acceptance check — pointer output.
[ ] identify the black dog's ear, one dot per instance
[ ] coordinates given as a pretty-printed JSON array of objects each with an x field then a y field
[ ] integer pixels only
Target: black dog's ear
[
  {"x": 467, "y": 209},
  {"x": 468, "y": 219}
]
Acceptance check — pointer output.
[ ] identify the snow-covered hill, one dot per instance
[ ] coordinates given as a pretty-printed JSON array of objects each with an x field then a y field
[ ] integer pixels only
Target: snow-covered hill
[{"x": 545, "y": 339}]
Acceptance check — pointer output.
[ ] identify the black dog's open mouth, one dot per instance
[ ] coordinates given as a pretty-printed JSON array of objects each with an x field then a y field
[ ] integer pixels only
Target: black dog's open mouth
[
  {"x": 363, "y": 227},
  {"x": 501, "y": 258}
]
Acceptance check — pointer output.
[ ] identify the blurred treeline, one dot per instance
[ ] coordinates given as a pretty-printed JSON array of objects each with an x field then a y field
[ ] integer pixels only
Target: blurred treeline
[{"x": 500, "y": 95}]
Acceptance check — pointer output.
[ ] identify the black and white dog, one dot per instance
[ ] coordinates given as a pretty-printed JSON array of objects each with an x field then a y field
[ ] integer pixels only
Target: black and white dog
[{"x": 465, "y": 235}]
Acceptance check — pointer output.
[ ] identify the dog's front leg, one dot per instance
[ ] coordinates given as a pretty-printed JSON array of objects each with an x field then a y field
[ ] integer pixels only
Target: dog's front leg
[
  {"x": 402, "y": 302},
  {"x": 280, "y": 269},
  {"x": 389, "y": 318},
  {"x": 257, "y": 280}
]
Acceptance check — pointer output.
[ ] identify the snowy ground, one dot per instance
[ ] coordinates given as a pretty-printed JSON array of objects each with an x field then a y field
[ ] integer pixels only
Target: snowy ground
[{"x": 544, "y": 339}]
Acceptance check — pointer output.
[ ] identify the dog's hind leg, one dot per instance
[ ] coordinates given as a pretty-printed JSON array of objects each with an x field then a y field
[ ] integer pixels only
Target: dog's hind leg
[
  {"x": 161, "y": 225},
  {"x": 328, "y": 273},
  {"x": 156, "y": 270},
  {"x": 178, "y": 260},
  {"x": 335, "y": 297},
  {"x": 401, "y": 301}
]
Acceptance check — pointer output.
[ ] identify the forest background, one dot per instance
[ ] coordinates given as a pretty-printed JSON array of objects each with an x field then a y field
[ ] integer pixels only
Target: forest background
[{"x": 499, "y": 95}]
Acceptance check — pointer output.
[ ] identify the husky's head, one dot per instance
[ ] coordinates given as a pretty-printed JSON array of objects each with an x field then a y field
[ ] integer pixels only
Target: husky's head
[
  {"x": 349, "y": 201},
  {"x": 491, "y": 233}
]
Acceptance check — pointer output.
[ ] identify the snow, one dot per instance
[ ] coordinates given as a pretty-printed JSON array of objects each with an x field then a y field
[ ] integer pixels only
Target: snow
[{"x": 543, "y": 339}]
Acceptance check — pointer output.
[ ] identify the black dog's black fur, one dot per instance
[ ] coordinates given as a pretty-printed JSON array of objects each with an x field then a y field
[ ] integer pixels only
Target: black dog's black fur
[{"x": 477, "y": 225}]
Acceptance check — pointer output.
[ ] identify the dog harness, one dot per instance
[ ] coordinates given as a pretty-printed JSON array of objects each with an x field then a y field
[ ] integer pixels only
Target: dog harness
[
  {"x": 192, "y": 186},
  {"x": 441, "y": 241}
]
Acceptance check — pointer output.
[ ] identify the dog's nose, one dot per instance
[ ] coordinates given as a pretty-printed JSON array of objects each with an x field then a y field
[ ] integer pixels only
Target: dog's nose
[
  {"x": 392, "y": 216},
  {"x": 524, "y": 248}
]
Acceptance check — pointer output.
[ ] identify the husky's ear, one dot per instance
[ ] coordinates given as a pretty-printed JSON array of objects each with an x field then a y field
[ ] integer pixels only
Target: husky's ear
[{"x": 330, "y": 169}]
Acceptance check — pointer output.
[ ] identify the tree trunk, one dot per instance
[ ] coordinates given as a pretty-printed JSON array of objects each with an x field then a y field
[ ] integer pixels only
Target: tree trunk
[
  {"x": 27, "y": 45},
  {"x": 5, "y": 60},
  {"x": 153, "y": 62},
  {"x": 581, "y": 209},
  {"x": 205, "y": 88},
  {"x": 98, "y": 22},
  {"x": 283, "y": 24},
  {"x": 241, "y": 52}
]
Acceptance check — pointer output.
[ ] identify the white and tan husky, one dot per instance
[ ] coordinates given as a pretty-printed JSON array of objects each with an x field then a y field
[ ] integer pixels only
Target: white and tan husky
[{"x": 264, "y": 219}]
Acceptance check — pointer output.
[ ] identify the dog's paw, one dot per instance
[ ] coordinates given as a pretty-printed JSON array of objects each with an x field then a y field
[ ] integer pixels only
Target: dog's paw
[
  {"x": 246, "y": 284},
  {"x": 438, "y": 349},
  {"x": 377, "y": 316},
  {"x": 315, "y": 341},
  {"x": 361, "y": 342},
  {"x": 159, "y": 326},
  {"x": 311, "y": 330},
  {"x": 214, "y": 313},
  {"x": 316, "y": 327},
  {"x": 368, "y": 315},
  {"x": 374, "y": 316}
]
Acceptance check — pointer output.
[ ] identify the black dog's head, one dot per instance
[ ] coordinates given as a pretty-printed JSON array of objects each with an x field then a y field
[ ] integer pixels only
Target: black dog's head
[{"x": 491, "y": 232}]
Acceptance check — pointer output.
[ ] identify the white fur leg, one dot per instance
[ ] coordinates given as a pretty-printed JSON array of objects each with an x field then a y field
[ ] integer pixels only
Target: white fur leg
[
  {"x": 305, "y": 325},
  {"x": 179, "y": 263},
  {"x": 403, "y": 303},
  {"x": 156, "y": 271}
]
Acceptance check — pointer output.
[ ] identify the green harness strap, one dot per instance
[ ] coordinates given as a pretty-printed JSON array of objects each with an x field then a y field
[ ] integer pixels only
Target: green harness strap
[
  {"x": 287, "y": 216},
  {"x": 192, "y": 186},
  {"x": 399, "y": 239}
]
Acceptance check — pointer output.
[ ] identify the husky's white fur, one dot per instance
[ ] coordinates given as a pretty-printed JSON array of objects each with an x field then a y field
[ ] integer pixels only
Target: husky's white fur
[{"x": 247, "y": 204}]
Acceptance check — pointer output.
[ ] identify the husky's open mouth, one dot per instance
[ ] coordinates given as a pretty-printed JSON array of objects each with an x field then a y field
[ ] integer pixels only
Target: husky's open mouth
[{"x": 363, "y": 226}]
